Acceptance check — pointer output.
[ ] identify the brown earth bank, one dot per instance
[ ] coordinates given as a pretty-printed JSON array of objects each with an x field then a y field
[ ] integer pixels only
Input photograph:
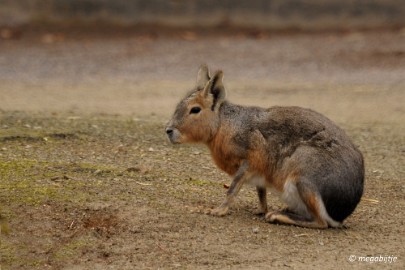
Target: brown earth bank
[{"x": 88, "y": 179}]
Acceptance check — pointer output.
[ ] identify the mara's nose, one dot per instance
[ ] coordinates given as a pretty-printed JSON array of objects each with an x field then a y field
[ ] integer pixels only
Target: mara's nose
[{"x": 169, "y": 131}]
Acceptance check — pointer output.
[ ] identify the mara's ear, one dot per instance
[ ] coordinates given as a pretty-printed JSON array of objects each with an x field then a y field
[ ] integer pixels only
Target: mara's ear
[
  {"x": 216, "y": 89},
  {"x": 203, "y": 77}
]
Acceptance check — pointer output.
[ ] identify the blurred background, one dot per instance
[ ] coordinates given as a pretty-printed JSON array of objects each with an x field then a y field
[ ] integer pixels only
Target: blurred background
[
  {"x": 274, "y": 14},
  {"x": 138, "y": 57}
]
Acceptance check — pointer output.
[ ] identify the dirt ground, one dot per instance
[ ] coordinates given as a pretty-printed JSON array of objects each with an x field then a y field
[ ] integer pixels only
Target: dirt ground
[{"x": 89, "y": 181}]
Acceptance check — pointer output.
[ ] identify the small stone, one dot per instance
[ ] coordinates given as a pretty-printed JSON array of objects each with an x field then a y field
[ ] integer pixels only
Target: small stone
[{"x": 255, "y": 230}]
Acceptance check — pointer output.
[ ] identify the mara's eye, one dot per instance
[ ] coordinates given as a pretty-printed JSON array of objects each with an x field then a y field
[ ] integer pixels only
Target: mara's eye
[{"x": 195, "y": 110}]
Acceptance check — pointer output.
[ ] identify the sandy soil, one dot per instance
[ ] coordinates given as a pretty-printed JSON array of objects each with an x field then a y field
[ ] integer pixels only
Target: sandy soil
[{"x": 88, "y": 179}]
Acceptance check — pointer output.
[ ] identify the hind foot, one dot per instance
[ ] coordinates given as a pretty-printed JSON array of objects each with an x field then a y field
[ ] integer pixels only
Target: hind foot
[{"x": 288, "y": 218}]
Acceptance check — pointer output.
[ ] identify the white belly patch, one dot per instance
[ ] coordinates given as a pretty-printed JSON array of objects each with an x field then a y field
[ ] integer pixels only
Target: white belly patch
[{"x": 291, "y": 197}]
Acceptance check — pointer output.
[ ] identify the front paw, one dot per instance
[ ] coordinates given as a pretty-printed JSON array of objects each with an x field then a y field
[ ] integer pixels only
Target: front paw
[
  {"x": 260, "y": 212},
  {"x": 219, "y": 211}
]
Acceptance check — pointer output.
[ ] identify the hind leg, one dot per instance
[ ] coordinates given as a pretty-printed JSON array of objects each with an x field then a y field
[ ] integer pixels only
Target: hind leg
[{"x": 306, "y": 207}]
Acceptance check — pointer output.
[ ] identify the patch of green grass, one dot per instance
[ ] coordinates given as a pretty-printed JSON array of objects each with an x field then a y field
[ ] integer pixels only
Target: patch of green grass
[
  {"x": 8, "y": 254},
  {"x": 22, "y": 181},
  {"x": 72, "y": 249},
  {"x": 199, "y": 182},
  {"x": 34, "y": 182}
]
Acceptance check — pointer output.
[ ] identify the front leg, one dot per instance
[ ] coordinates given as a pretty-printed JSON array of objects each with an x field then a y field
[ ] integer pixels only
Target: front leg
[
  {"x": 262, "y": 194},
  {"x": 233, "y": 190}
]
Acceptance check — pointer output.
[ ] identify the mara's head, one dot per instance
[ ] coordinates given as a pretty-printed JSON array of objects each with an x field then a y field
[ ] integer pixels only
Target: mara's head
[{"x": 196, "y": 117}]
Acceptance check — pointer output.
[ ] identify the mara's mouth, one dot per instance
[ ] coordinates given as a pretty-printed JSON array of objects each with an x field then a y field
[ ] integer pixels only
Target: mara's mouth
[{"x": 174, "y": 135}]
